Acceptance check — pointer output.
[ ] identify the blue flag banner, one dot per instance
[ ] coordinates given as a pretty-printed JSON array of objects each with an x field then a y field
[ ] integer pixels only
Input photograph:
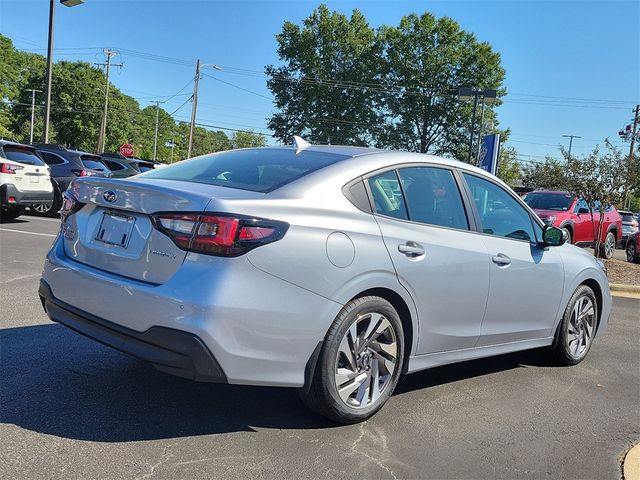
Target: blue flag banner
[{"x": 490, "y": 153}]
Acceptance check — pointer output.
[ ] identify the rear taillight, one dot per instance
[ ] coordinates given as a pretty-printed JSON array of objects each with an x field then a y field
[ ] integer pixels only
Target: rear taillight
[
  {"x": 82, "y": 173},
  {"x": 219, "y": 234},
  {"x": 70, "y": 205},
  {"x": 10, "y": 168}
]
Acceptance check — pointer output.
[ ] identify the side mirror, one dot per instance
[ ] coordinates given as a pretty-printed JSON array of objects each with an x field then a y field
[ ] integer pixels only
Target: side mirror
[
  {"x": 553, "y": 236},
  {"x": 583, "y": 210}
]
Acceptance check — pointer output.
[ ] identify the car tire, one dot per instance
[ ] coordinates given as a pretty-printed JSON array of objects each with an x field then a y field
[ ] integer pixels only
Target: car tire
[
  {"x": 48, "y": 209},
  {"x": 608, "y": 247},
  {"x": 11, "y": 212},
  {"x": 349, "y": 387},
  {"x": 577, "y": 328},
  {"x": 569, "y": 237},
  {"x": 633, "y": 255}
]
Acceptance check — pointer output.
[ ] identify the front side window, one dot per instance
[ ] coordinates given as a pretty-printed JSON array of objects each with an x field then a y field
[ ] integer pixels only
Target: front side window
[
  {"x": 433, "y": 197},
  {"x": 387, "y": 195},
  {"x": 500, "y": 214}
]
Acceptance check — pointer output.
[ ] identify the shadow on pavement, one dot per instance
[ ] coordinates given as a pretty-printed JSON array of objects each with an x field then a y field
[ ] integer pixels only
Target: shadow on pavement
[{"x": 57, "y": 382}]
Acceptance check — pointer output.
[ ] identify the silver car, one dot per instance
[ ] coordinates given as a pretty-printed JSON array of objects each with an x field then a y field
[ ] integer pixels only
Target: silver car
[{"x": 329, "y": 269}]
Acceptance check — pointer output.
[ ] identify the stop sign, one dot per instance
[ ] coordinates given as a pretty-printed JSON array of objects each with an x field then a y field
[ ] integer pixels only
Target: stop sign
[{"x": 126, "y": 150}]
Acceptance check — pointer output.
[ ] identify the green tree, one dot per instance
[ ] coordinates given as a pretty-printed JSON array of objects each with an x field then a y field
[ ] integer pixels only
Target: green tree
[
  {"x": 548, "y": 175},
  {"x": 247, "y": 140},
  {"x": 318, "y": 91},
  {"x": 509, "y": 170},
  {"x": 425, "y": 61}
]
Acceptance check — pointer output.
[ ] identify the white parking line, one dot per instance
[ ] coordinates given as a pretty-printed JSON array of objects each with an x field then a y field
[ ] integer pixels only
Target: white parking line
[
  {"x": 30, "y": 233},
  {"x": 56, "y": 220}
]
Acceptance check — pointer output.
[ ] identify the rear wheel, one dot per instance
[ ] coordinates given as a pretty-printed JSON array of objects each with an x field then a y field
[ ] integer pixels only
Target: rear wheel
[
  {"x": 360, "y": 362},
  {"x": 608, "y": 247},
  {"x": 48, "y": 209},
  {"x": 633, "y": 255},
  {"x": 578, "y": 327},
  {"x": 569, "y": 236},
  {"x": 11, "y": 212}
]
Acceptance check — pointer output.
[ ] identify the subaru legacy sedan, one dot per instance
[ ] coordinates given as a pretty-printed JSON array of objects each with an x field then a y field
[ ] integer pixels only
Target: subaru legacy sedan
[{"x": 330, "y": 269}]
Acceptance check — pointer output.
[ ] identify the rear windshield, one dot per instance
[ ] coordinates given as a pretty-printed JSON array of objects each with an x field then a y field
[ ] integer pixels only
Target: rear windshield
[
  {"x": 627, "y": 217},
  {"x": 259, "y": 170},
  {"x": 22, "y": 155},
  {"x": 93, "y": 163},
  {"x": 549, "y": 201}
]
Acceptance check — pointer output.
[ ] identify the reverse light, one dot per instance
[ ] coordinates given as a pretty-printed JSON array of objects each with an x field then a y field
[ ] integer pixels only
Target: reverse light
[
  {"x": 82, "y": 173},
  {"x": 10, "y": 168},
  {"x": 218, "y": 234}
]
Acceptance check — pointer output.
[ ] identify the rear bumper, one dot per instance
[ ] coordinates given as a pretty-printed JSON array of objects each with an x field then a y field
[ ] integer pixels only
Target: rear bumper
[
  {"x": 172, "y": 351},
  {"x": 8, "y": 190}
]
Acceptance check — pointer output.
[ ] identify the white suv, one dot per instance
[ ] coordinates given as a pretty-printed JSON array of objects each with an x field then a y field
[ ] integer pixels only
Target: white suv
[{"x": 24, "y": 179}]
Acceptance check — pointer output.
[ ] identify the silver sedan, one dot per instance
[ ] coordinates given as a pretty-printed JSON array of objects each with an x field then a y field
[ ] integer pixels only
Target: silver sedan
[{"x": 330, "y": 269}]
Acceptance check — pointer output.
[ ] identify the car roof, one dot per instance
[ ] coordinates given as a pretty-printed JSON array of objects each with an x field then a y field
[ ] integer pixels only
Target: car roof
[{"x": 16, "y": 144}]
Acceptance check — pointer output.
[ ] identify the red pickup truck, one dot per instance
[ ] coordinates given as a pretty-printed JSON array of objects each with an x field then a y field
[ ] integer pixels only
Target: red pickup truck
[{"x": 571, "y": 213}]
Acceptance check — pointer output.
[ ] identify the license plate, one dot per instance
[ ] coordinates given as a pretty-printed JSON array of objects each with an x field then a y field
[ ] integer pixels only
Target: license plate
[
  {"x": 115, "y": 229},
  {"x": 34, "y": 178}
]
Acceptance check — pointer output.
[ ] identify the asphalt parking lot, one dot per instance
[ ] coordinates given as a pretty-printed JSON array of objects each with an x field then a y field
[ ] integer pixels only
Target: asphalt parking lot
[{"x": 71, "y": 408}]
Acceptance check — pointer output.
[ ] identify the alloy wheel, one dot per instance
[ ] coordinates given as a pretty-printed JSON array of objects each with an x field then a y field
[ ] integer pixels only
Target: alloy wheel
[
  {"x": 42, "y": 208},
  {"x": 631, "y": 252},
  {"x": 581, "y": 327},
  {"x": 609, "y": 246},
  {"x": 366, "y": 360}
]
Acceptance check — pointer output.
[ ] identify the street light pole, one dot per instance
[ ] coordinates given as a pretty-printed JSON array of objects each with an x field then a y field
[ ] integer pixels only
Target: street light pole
[
  {"x": 33, "y": 108},
  {"x": 488, "y": 96},
  {"x": 49, "y": 73}
]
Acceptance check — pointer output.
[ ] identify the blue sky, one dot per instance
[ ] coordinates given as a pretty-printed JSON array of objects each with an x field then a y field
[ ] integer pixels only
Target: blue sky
[{"x": 573, "y": 67}]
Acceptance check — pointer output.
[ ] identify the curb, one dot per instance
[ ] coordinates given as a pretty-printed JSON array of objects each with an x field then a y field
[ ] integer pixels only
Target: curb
[
  {"x": 631, "y": 463},
  {"x": 623, "y": 288}
]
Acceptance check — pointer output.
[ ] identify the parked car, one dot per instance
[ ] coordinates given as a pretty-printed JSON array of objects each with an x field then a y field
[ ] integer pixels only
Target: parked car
[
  {"x": 571, "y": 214},
  {"x": 630, "y": 225},
  {"x": 330, "y": 269},
  {"x": 66, "y": 165},
  {"x": 633, "y": 248},
  {"x": 120, "y": 166},
  {"x": 24, "y": 179}
]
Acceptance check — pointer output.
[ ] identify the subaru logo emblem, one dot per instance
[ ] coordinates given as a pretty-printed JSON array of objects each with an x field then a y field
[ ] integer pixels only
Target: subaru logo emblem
[{"x": 110, "y": 196}]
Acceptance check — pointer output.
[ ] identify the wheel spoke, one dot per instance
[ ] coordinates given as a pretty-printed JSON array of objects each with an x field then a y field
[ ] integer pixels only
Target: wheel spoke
[
  {"x": 347, "y": 353},
  {"x": 346, "y": 390},
  {"x": 375, "y": 381},
  {"x": 362, "y": 396},
  {"x": 381, "y": 327}
]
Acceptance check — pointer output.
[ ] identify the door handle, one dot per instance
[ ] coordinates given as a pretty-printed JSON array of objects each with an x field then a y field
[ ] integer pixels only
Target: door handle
[
  {"x": 501, "y": 260},
  {"x": 411, "y": 249}
]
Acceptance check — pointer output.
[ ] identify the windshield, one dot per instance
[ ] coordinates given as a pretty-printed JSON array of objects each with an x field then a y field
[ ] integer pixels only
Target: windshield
[
  {"x": 549, "y": 201},
  {"x": 258, "y": 170}
]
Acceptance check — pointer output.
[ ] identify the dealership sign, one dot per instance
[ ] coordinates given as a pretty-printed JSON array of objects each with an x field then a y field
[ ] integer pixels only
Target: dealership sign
[{"x": 490, "y": 153}]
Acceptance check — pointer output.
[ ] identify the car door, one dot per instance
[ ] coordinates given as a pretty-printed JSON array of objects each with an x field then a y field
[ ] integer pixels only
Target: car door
[
  {"x": 526, "y": 280},
  {"x": 583, "y": 229},
  {"x": 445, "y": 269}
]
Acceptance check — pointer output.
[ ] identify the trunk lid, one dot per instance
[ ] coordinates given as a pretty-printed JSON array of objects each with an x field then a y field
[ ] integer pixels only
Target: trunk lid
[{"x": 114, "y": 232}]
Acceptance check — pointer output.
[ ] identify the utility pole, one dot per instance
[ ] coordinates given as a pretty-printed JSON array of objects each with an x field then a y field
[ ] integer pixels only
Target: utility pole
[
  {"x": 194, "y": 107},
  {"x": 33, "y": 108},
  {"x": 194, "y": 98},
  {"x": 571, "y": 137},
  {"x": 634, "y": 132},
  {"x": 488, "y": 96},
  {"x": 155, "y": 137},
  {"x": 103, "y": 123}
]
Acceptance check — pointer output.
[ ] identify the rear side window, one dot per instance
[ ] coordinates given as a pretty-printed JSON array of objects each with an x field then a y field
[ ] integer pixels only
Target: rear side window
[
  {"x": 433, "y": 197},
  {"x": 22, "y": 155},
  {"x": 627, "y": 217},
  {"x": 92, "y": 163},
  {"x": 51, "y": 158},
  {"x": 387, "y": 195},
  {"x": 113, "y": 165},
  {"x": 259, "y": 170}
]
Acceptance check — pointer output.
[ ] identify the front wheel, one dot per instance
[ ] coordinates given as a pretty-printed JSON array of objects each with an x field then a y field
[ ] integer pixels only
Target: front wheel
[
  {"x": 609, "y": 246},
  {"x": 360, "y": 362},
  {"x": 578, "y": 327}
]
